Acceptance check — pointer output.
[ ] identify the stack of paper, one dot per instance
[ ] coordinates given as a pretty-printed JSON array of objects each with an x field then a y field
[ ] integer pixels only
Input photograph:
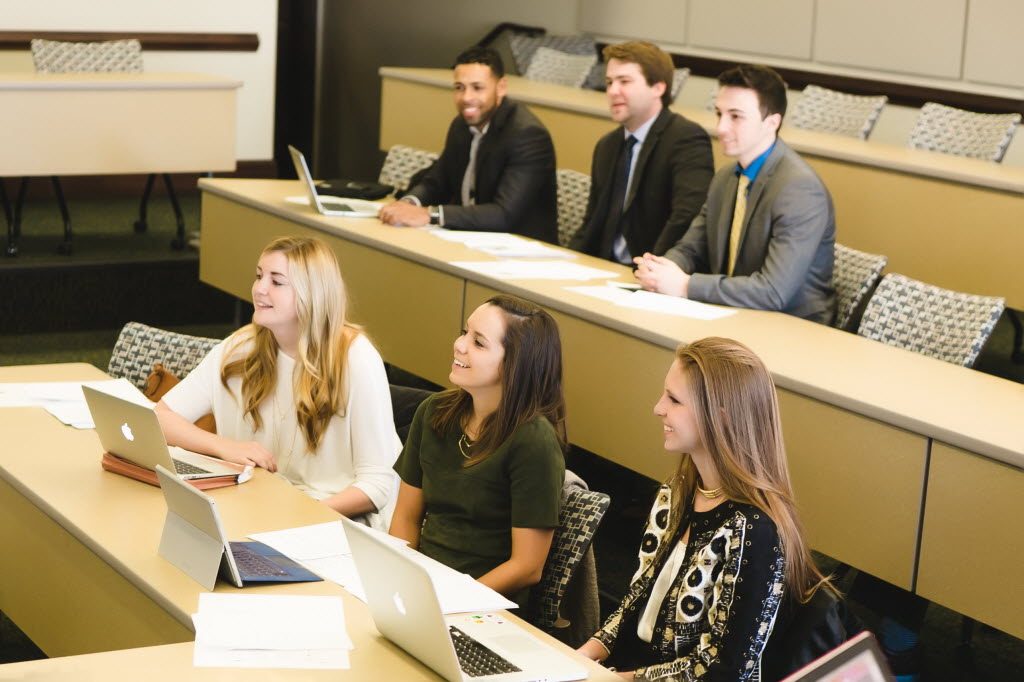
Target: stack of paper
[
  {"x": 655, "y": 303},
  {"x": 64, "y": 399},
  {"x": 503, "y": 244},
  {"x": 270, "y": 631},
  {"x": 323, "y": 549},
  {"x": 518, "y": 269}
]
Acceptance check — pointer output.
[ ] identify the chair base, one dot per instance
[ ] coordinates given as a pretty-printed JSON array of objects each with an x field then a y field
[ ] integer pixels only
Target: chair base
[{"x": 141, "y": 225}]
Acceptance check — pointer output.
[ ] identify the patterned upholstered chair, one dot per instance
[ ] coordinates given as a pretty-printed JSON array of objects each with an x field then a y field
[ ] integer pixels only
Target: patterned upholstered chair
[
  {"x": 923, "y": 318},
  {"x": 401, "y": 164},
  {"x": 853, "y": 277},
  {"x": 679, "y": 78},
  {"x": 524, "y": 46},
  {"x": 829, "y": 111},
  {"x": 573, "y": 192},
  {"x": 554, "y": 66},
  {"x": 963, "y": 133},
  {"x": 114, "y": 56},
  {"x": 582, "y": 511},
  {"x": 139, "y": 346}
]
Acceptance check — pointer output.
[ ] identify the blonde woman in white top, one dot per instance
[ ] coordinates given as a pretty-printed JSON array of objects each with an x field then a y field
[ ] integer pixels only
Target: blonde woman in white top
[{"x": 299, "y": 391}]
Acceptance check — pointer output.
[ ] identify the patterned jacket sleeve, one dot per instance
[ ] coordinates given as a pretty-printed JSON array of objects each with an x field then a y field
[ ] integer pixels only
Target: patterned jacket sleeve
[{"x": 747, "y": 593}]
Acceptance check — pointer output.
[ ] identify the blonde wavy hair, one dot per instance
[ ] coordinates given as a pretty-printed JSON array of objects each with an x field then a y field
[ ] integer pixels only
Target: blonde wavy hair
[
  {"x": 324, "y": 339},
  {"x": 737, "y": 414}
]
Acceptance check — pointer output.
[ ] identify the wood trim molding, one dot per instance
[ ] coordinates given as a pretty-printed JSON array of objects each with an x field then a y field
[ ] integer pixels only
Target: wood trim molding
[{"x": 170, "y": 42}]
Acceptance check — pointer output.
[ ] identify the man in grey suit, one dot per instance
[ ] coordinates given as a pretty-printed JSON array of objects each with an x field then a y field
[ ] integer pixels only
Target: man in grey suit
[{"x": 765, "y": 237}]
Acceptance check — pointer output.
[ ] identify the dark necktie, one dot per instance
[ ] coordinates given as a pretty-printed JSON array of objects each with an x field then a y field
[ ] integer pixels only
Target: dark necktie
[{"x": 618, "y": 198}]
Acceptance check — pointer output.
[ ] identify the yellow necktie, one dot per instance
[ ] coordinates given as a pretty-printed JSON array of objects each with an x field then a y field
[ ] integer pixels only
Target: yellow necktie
[{"x": 737, "y": 220}]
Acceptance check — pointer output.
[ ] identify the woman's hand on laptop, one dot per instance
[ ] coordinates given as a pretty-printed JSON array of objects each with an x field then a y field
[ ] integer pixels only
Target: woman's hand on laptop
[{"x": 247, "y": 452}]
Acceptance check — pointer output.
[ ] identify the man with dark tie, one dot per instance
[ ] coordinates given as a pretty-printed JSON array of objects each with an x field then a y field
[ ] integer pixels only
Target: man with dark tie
[
  {"x": 650, "y": 176},
  {"x": 765, "y": 238},
  {"x": 497, "y": 170}
]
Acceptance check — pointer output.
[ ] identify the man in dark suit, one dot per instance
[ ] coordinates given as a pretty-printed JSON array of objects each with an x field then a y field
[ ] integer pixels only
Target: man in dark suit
[
  {"x": 649, "y": 177},
  {"x": 765, "y": 238},
  {"x": 497, "y": 170}
]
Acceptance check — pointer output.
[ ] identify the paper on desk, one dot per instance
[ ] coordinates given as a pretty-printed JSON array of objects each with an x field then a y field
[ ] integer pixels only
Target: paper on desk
[
  {"x": 64, "y": 399},
  {"x": 272, "y": 631},
  {"x": 503, "y": 244},
  {"x": 458, "y": 592},
  {"x": 318, "y": 541},
  {"x": 657, "y": 303},
  {"x": 522, "y": 269}
]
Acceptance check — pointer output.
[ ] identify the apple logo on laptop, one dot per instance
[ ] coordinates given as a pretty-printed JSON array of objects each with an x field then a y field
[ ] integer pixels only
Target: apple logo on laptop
[
  {"x": 399, "y": 604},
  {"x": 126, "y": 431}
]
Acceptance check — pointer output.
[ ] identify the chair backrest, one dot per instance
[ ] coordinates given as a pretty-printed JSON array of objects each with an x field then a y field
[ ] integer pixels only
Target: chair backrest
[
  {"x": 830, "y": 111},
  {"x": 573, "y": 192},
  {"x": 926, "y": 319},
  {"x": 679, "y": 77},
  {"x": 581, "y": 514},
  {"x": 58, "y": 56},
  {"x": 963, "y": 133},
  {"x": 405, "y": 400},
  {"x": 853, "y": 276},
  {"x": 553, "y": 66},
  {"x": 139, "y": 346},
  {"x": 524, "y": 46},
  {"x": 401, "y": 164}
]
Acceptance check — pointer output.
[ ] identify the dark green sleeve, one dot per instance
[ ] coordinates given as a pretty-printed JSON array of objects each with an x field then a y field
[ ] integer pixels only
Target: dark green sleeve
[
  {"x": 536, "y": 469},
  {"x": 408, "y": 463}
]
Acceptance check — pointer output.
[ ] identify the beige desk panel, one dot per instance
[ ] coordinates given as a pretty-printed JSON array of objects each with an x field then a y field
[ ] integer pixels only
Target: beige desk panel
[
  {"x": 610, "y": 403},
  {"x": 858, "y": 484},
  {"x": 958, "y": 236},
  {"x": 386, "y": 293},
  {"x": 410, "y": 114},
  {"x": 971, "y": 552},
  {"x": 146, "y": 126},
  {"x": 62, "y": 595}
]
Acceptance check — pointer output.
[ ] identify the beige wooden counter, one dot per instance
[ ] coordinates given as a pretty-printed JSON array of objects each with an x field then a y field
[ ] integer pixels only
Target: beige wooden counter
[
  {"x": 954, "y": 222},
  {"x": 107, "y": 123},
  {"x": 81, "y": 573}
]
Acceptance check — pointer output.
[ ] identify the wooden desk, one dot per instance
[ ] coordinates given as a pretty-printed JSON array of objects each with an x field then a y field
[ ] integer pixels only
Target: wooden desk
[
  {"x": 108, "y": 123},
  {"x": 957, "y": 223},
  {"x": 859, "y": 417},
  {"x": 83, "y": 574}
]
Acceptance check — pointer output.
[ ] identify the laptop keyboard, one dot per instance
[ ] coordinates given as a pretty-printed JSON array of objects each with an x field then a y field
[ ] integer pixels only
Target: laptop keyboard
[
  {"x": 475, "y": 659},
  {"x": 185, "y": 469},
  {"x": 254, "y": 565}
]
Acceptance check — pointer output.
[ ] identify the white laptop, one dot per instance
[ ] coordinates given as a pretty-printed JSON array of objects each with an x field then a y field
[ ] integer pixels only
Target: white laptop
[
  {"x": 132, "y": 432},
  {"x": 193, "y": 539},
  {"x": 457, "y": 647},
  {"x": 326, "y": 204}
]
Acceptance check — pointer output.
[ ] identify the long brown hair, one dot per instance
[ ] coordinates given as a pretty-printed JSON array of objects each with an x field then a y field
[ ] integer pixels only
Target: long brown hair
[
  {"x": 736, "y": 410},
  {"x": 324, "y": 340},
  {"x": 531, "y": 381}
]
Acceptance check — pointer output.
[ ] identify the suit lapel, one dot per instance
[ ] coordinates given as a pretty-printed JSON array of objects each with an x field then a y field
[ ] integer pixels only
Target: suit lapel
[
  {"x": 754, "y": 195},
  {"x": 646, "y": 149},
  {"x": 721, "y": 243}
]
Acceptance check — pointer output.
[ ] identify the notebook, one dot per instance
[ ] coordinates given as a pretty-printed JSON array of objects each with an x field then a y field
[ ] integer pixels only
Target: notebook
[
  {"x": 326, "y": 204},
  {"x": 132, "y": 432},
  {"x": 193, "y": 539},
  {"x": 405, "y": 609},
  {"x": 857, "y": 660}
]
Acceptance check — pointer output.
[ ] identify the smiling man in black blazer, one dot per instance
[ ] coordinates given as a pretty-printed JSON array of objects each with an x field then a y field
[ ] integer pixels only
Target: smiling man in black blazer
[
  {"x": 497, "y": 170},
  {"x": 649, "y": 177}
]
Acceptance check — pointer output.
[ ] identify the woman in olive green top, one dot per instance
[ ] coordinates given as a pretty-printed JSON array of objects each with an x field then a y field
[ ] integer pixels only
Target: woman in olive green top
[{"x": 483, "y": 467}]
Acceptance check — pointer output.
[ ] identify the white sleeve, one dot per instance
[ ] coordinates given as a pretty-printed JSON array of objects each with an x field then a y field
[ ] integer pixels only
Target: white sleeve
[
  {"x": 193, "y": 397},
  {"x": 375, "y": 444}
]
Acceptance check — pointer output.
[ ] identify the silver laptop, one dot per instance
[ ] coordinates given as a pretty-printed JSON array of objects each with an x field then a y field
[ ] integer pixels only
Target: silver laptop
[
  {"x": 457, "y": 647},
  {"x": 193, "y": 539},
  {"x": 859, "y": 659},
  {"x": 326, "y": 204},
  {"x": 132, "y": 432}
]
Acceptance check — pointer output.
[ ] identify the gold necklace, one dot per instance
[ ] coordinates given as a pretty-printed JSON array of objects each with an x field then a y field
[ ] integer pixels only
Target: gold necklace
[
  {"x": 465, "y": 444},
  {"x": 711, "y": 494}
]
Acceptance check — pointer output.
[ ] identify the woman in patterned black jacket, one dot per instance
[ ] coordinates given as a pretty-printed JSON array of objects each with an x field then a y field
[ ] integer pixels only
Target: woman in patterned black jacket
[{"x": 723, "y": 545}]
